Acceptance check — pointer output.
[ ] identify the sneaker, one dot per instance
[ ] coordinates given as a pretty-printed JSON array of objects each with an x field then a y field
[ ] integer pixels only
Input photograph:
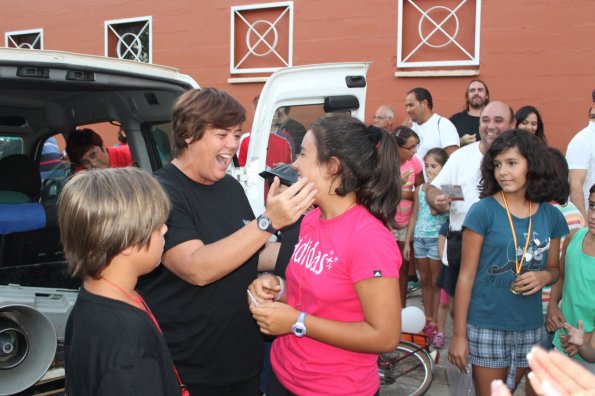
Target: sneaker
[
  {"x": 438, "y": 340},
  {"x": 413, "y": 286},
  {"x": 430, "y": 331}
]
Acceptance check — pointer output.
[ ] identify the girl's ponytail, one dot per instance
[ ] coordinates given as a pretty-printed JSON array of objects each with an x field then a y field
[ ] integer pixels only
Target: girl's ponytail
[
  {"x": 369, "y": 159},
  {"x": 381, "y": 193}
]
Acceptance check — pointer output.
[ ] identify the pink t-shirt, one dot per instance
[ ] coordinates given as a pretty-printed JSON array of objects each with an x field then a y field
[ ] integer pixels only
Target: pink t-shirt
[
  {"x": 406, "y": 206},
  {"x": 329, "y": 258}
]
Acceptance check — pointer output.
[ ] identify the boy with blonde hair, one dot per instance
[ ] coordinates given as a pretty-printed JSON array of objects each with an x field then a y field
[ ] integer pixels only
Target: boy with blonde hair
[{"x": 112, "y": 223}]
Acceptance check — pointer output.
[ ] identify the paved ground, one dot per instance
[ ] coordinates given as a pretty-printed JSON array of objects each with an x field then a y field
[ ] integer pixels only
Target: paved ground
[{"x": 441, "y": 383}]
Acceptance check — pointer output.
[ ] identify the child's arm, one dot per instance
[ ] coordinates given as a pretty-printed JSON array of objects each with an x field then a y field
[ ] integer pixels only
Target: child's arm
[
  {"x": 583, "y": 343},
  {"x": 411, "y": 225},
  {"x": 459, "y": 347},
  {"x": 441, "y": 242},
  {"x": 554, "y": 318}
]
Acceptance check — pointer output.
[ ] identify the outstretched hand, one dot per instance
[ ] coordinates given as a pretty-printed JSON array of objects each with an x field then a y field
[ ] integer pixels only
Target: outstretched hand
[
  {"x": 576, "y": 336},
  {"x": 556, "y": 374},
  {"x": 285, "y": 207}
]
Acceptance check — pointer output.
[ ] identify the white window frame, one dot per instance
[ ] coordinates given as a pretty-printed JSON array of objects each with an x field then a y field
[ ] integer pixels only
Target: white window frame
[
  {"x": 234, "y": 66},
  {"x": 8, "y": 36},
  {"x": 108, "y": 27},
  {"x": 402, "y": 59}
]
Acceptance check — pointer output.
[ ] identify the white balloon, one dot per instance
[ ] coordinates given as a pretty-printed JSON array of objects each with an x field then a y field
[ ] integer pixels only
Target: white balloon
[{"x": 413, "y": 320}]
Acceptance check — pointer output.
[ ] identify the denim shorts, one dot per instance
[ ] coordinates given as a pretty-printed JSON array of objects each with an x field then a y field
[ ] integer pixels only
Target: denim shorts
[
  {"x": 426, "y": 248},
  {"x": 502, "y": 348}
]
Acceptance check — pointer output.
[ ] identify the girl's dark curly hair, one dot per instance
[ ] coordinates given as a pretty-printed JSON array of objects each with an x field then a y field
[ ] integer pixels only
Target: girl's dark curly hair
[
  {"x": 540, "y": 186},
  {"x": 559, "y": 175},
  {"x": 369, "y": 163}
]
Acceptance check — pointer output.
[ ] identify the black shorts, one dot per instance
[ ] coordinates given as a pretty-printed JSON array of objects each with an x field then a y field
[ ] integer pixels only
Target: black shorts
[{"x": 453, "y": 254}]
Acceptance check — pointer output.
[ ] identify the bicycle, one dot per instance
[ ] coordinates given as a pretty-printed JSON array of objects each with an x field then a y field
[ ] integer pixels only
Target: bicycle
[{"x": 409, "y": 370}]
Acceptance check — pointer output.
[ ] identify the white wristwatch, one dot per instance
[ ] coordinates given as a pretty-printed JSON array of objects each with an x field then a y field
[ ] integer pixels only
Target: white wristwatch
[{"x": 299, "y": 328}]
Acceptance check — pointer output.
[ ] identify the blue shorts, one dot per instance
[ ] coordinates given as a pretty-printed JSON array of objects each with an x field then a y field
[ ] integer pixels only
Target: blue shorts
[
  {"x": 502, "y": 348},
  {"x": 426, "y": 248}
]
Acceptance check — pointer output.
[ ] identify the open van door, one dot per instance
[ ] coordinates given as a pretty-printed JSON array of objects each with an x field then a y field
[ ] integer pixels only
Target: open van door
[{"x": 305, "y": 93}]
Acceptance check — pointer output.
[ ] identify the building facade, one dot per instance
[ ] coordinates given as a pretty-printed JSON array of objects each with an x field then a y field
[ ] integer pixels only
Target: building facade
[{"x": 537, "y": 52}]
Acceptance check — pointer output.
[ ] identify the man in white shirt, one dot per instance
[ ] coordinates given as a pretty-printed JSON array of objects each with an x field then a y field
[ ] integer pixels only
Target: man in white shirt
[
  {"x": 580, "y": 156},
  {"x": 463, "y": 169},
  {"x": 433, "y": 130}
]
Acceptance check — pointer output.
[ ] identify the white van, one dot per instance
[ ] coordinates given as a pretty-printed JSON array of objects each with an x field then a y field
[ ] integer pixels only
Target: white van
[{"x": 46, "y": 95}]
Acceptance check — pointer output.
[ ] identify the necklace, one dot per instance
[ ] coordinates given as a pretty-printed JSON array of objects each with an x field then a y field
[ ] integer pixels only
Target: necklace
[
  {"x": 518, "y": 264},
  {"x": 138, "y": 299},
  {"x": 143, "y": 305}
]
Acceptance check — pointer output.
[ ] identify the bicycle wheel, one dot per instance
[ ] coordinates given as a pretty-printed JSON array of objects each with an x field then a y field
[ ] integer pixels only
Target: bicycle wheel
[{"x": 406, "y": 371}]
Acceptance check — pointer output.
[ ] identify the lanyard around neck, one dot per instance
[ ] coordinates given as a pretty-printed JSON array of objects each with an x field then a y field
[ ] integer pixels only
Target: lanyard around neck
[
  {"x": 143, "y": 305},
  {"x": 519, "y": 265}
]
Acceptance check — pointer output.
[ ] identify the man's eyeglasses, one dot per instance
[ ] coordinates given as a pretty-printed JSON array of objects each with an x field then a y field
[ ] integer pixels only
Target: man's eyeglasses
[{"x": 381, "y": 117}]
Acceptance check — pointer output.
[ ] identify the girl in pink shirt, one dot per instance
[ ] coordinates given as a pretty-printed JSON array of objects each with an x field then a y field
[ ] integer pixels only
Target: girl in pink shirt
[
  {"x": 411, "y": 177},
  {"x": 340, "y": 305}
]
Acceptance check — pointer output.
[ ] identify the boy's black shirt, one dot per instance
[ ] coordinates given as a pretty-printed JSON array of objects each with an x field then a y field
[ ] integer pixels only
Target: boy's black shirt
[{"x": 113, "y": 348}]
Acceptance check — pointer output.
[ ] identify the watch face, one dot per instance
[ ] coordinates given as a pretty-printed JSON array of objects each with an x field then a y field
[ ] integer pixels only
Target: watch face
[
  {"x": 263, "y": 224},
  {"x": 299, "y": 329}
]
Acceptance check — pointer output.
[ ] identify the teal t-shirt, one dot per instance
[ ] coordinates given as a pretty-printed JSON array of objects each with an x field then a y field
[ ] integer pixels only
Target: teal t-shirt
[
  {"x": 427, "y": 225},
  {"x": 578, "y": 296},
  {"x": 493, "y": 305}
]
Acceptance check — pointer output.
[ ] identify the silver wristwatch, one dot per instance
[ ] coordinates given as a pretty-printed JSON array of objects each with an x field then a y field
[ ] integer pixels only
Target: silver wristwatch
[
  {"x": 265, "y": 224},
  {"x": 299, "y": 328}
]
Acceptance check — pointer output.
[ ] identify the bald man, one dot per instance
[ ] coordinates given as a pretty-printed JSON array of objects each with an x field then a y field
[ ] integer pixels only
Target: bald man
[
  {"x": 385, "y": 118},
  {"x": 463, "y": 169}
]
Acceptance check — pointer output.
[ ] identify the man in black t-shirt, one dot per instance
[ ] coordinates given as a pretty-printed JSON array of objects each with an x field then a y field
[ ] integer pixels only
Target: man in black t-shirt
[
  {"x": 291, "y": 126},
  {"x": 477, "y": 96},
  {"x": 212, "y": 248}
]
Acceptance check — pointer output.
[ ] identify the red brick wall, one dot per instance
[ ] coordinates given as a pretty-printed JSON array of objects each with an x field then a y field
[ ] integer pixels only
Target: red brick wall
[{"x": 536, "y": 52}]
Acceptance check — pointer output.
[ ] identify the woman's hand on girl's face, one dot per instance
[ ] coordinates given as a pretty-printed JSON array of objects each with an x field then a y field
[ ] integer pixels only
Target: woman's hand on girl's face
[
  {"x": 286, "y": 207},
  {"x": 274, "y": 318}
]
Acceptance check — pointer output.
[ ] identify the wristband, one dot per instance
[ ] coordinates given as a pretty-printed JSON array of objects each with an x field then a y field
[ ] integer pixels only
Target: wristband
[{"x": 281, "y": 290}]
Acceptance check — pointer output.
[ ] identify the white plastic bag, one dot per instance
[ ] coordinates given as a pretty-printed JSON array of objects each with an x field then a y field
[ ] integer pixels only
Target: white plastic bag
[{"x": 461, "y": 384}]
